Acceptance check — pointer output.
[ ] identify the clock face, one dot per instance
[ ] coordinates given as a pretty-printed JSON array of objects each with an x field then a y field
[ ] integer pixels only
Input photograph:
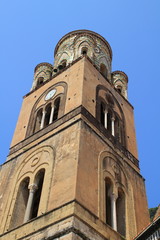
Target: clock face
[{"x": 50, "y": 94}]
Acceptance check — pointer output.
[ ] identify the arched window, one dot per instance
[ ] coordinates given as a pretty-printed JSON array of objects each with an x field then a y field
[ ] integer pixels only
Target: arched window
[
  {"x": 47, "y": 115},
  {"x": 38, "y": 120},
  {"x": 119, "y": 88},
  {"x": 120, "y": 210},
  {"x": 84, "y": 50},
  {"x": 62, "y": 64},
  {"x": 20, "y": 203},
  {"x": 39, "y": 182},
  {"x": 102, "y": 113},
  {"x": 103, "y": 70},
  {"x": 56, "y": 108},
  {"x": 35, "y": 190},
  {"x": 109, "y": 121},
  {"x": 108, "y": 191},
  {"x": 40, "y": 81},
  {"x": 106, "y": 117}
]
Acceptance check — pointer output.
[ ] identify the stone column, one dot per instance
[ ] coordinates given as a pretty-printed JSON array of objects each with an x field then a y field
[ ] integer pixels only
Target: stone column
[
  {"x": 52, "y": 113},
  {"x": 113, "y": 120},
  {"x": 43, "y": 118},
  {"x": 113, "y": 211},
  {"x": 32, "y": 190},
  {"x": 105, "y": 118}
]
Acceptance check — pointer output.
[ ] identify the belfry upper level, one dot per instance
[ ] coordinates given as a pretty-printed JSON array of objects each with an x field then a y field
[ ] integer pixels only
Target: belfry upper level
[
  {"x": 74, "y": 45},
  {"x": 80, "y": 83}
]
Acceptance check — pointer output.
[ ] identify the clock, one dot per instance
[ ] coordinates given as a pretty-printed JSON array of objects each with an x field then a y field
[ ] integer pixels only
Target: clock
[{"x": 50, "y": 94}]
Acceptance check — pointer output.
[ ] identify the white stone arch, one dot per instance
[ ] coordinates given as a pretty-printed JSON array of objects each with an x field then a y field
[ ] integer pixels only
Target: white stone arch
[
  {"x": 41, "y": 158},
  {"x": 64, "y": 56},
  {"x": 83, "y": 41}
]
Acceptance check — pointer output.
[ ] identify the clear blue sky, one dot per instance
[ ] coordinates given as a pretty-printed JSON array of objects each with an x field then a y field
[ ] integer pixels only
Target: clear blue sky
[{"x": 29, "y": 32}]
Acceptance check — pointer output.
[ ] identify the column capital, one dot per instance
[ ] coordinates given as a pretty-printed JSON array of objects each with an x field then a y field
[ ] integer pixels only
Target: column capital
[
  {"x": 113, "y": 118},
  {"x": 106, "y": 110},
  {"x": 114, "y": 196},
  {"x": 33, "y": 187}
]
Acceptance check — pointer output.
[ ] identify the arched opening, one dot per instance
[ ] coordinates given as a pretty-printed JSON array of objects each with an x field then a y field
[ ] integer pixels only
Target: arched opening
[
  {"x": 103, "y": 70},
  {"x": 20, "y": 204},
  {"x": 36, "y": 200},
  {"x": 102, "y": 113},
  {"x": 62, "y": 64},
  {"x": 40, "y": 81},
  {"x": 84, "y": 50},
  {"x": 56, "y": 108},
  {"x": 47, "y": 115},
  {"x": 108, "y": 190},
  {"x": 117, "y": 129},
  {"x": 38, "y": 120},
  {"x": 119, "y": 88},
  {"x": 120, "y": 210},
  {"x": 109, "y": 121}
]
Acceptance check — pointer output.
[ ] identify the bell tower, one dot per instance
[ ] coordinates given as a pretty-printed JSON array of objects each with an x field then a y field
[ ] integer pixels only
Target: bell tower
[{"x": 72, "y": 171}]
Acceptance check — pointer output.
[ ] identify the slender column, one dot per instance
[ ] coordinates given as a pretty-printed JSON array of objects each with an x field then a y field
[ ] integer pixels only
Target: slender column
[
  {"x": 32, "y": 190},
  {"x": 43, "y": 118},
  {"x": 113, "y": 120},
  {"x": 113, "y": 211},
  {"x": 105, "y": 118},
  {"x": 52, "y": 113}
]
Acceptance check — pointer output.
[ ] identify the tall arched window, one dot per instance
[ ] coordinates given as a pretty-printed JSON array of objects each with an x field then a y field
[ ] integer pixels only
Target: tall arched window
[
  {"x": 39, "y": 182},
  {"x": 108, "y": 191},
  {"x": 20, "y": 203},
  {"x": 102, "y": 113},
  {"x": 109, "y": 121},
  {"x": 120, "y": 210},
  {"x": 47, "y": 115},
  {"x": 103, "y": 70},
  {"x": 38, "y": 120},
  {"x": 56, "y": 108},
  {"x": 35, "y": 190}
]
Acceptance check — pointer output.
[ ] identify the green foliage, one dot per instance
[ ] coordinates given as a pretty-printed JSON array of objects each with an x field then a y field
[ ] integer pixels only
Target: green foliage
[{"x": 152, "y": 212}]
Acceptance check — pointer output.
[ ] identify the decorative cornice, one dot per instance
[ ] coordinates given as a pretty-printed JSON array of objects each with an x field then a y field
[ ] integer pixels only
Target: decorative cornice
[
  {"x": 122, "y": 73},
  {"x": 43, "y": 64}
]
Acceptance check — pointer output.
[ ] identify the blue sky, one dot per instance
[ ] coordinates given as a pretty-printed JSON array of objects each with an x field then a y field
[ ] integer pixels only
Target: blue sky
[{"x": 29, "y": 32}]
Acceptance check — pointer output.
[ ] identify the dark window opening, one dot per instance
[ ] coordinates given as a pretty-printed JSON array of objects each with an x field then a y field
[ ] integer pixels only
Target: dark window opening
[
  {"x": 62, "y": 65},
  {"x": 38, "y": 120},
  {"x": 103, "y": 70},
  {"x": 37, "y": 195},
  {"x": 102, "y": 114},
  {"x": 56, "y": 108},
  {"x": 119, "y": 89},
  {"x": 84, "y": 51},
  {"x": 120, "y": 209},
  {"x": 40, "y": 81},
  {"x": 47, "y": 115},
  {"x": 108, "y": 189},
  {"x": 109, "y": 121},
  {"x": 20, "y": 204}
]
